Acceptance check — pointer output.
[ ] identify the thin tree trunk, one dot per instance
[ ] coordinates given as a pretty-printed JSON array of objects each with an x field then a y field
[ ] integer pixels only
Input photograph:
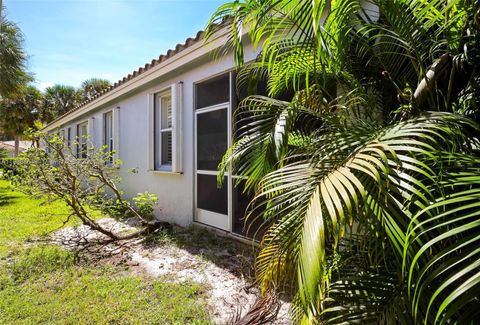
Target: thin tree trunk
[{"x": 17, "y": 145}]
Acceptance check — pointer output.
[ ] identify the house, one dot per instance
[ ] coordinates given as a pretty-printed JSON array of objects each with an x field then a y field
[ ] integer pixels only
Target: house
[{"x": 171, "y": 121}]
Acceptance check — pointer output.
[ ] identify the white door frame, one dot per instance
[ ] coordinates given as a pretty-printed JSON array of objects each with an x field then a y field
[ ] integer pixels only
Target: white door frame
[{"x": 213, "y": 219}]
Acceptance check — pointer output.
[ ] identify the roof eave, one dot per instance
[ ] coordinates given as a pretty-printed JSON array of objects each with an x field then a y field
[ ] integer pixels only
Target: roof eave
[{"x": 143, "y": 76}]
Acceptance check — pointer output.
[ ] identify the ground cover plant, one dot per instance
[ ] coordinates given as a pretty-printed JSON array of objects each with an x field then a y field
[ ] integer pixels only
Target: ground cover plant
[
  {"x": 365, "y": 154},
  {"x": 44, "y": 283}
]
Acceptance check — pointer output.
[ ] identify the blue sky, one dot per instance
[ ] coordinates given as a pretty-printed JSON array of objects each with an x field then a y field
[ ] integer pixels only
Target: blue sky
[{"x": 69, "y": 41}]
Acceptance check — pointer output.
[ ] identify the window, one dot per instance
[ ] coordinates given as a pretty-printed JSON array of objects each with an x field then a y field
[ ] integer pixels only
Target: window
[
  {"x": 213, "y": 92},
  {"x": 166, "y": 138},
  {"x": 61, "y": 134},
  {"x": 163, "y": 131},
  {"x": 82, "y": 133},
  {"x": 69, "y": 137},
  {"x": 108, "y": 133}
]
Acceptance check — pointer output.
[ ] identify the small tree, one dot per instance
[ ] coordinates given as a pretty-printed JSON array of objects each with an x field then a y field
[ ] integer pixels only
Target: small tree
[{"x": 84, "y": 184}]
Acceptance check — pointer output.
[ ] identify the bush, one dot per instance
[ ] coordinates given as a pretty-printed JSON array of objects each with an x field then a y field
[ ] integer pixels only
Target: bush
[
  {"x": 3, "y": 153},
  {"x": 9, "y": 167},
  {"x": 145, "y": 203}
]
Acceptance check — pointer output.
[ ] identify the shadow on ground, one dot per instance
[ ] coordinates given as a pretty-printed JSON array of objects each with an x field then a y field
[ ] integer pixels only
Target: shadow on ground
[
  {"x": 6, "y": 197},
  {"x": 177, "y": 254},
  {"x": 226, "y": 253}
]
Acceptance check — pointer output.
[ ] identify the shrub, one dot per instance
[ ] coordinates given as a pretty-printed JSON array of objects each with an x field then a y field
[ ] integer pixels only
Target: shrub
[
  {"x": 9, "y": 167},
  {"x": 145, "y": 203},
  {"x": 3, "y": 153}
]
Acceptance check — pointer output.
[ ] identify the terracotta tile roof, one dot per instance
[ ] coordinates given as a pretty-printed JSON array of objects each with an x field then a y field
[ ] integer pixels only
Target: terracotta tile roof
[{"x": 162, "y": 58}]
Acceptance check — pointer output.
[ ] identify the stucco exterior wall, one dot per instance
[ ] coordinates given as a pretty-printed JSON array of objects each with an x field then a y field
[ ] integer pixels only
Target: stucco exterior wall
[{"x": 134, "y": 137}]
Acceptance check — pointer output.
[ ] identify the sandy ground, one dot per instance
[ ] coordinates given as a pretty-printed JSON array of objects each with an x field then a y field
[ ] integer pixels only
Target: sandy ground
[{"x": 222, "y": 265}]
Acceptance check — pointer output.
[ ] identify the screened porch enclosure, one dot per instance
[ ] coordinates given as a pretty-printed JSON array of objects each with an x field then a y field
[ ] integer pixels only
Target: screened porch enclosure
[{"x": 221, "y": 206}]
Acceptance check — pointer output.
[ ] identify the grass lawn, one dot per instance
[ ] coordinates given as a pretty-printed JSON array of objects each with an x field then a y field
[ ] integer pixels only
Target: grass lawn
[
  {"x": 42, "y": 283},
  {"x": 22, "y": 218}
]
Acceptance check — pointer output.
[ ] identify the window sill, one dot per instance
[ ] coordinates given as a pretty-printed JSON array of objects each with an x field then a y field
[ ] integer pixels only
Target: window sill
[{"x": 164, "y": 172}]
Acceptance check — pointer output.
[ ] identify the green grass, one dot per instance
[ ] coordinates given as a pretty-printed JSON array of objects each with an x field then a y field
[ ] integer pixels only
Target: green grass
[
  {"x": 23, "y": 218},
  {"x": 100, "y": 296},
  {"x": 45, "y": 284}
]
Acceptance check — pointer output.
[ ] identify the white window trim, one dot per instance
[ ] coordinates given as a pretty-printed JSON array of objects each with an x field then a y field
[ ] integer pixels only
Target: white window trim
[
  {"x": 80, "y": 137},
  {"x": 159, "y": 166},
  {"x": 177, "y": 133},
  {"x": 69, "y": 131},
  {"x": 106, "y": 141},
  {"x": 61, "y": 134},
  {"x": 116, "y": 132},
  {"x": 176, "y": 95}
]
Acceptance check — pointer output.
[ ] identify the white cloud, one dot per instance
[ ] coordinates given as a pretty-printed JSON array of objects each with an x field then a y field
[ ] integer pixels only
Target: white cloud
[{"x": 45, "y": 85}]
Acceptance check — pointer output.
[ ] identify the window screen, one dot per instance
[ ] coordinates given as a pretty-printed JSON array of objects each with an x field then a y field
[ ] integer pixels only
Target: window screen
[
  {"x": 211, "y": 138},
  {"x": 213, "y": 92},
  {"x": 253, "y": 225},
  {"x": 167, "y": 153},
  {"x": 209, "y": 196}
]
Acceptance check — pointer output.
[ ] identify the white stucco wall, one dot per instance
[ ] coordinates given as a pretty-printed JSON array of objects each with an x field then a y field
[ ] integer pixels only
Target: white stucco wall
[{"x": 175, "y": 191}]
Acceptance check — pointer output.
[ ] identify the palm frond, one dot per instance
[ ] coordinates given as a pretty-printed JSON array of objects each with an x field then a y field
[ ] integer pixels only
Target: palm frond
[
  {"x": 360, "y": 291},
  {"x": 445, "y": 269},
  {"x": 358, "y": 146},
  {"x": 13, "y": 59},
  {"x": 319, "y": 192}
]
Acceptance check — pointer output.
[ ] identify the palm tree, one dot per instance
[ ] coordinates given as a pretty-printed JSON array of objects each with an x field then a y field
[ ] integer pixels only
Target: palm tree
[
  {"x": 58, "y": 100},
  {"x": 19, "y": 113},
  {"x": 13, "y": 59},
  {"x": 369, "y": 177},
  {"x": 93, "y": 87}
]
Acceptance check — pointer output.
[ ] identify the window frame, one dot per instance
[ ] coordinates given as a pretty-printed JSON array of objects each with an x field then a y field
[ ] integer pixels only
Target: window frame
[
  {"x": 159, "y": 130},
  {"x": 201, "y": 215},
  {"x": 69, "y": 137},
  {"x": 108, "y": 141},
  {"x": 82, "y": 140},
  {"x": 61, "y": 134}
]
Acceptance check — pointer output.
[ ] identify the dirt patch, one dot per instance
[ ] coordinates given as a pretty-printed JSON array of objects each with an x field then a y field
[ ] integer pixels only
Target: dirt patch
[{"x": 223, "y": 265}]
